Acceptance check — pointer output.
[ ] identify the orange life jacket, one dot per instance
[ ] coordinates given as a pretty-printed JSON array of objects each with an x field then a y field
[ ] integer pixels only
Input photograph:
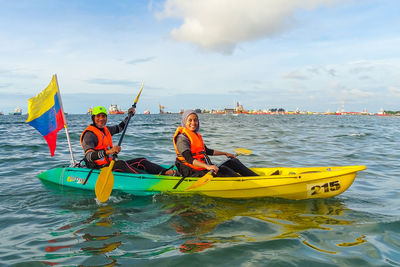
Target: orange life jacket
[
  {"x": 196, "y": 147},
  {"x": 104, "y": 141}
]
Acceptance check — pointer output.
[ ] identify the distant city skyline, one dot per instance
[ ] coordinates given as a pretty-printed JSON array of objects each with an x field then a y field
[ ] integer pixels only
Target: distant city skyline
[
  {"x": 154, "y": 109},
  {"x": 306, "y": 54},
  {"x": 172, "y": 105}
]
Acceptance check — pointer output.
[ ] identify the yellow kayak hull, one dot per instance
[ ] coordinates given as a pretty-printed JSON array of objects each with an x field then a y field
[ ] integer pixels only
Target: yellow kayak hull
[
  {"x": 289, "y": 183},
  {"x": 282, "y": 182}
]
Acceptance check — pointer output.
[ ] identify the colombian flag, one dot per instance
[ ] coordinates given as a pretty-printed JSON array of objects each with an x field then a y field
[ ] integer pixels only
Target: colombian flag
[{"x": 45, "y": 113}]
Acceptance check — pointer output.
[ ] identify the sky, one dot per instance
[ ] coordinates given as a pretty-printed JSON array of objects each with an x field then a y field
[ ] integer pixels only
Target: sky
[{"x": 314, "y": 55}]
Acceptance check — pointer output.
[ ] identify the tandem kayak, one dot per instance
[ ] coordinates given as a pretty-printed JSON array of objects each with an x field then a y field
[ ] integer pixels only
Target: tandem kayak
[{"x": 281, "y": 182}]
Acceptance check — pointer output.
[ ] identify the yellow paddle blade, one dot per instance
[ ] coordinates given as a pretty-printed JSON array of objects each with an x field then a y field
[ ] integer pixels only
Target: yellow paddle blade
[
  {"x": 137, "y": 97},
  {"x": 104, "y": 183},
  {"x": 203, "y": 180},
  {"x": 242, "y": 151}
]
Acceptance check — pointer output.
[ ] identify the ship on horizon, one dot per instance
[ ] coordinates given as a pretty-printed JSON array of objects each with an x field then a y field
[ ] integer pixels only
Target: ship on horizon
[
  {"x": 17, "y": 111},
  {"x": 114, "y": 109}
]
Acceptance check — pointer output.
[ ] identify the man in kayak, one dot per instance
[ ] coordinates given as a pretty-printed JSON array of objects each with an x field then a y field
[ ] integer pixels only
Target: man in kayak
[
  {"x": 192, "y": 159},
  {"x": 97, "y": 143}
]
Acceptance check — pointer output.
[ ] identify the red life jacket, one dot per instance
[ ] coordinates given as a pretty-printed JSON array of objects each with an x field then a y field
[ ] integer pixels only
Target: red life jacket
[
  {"x": 104, "y": 141},
  {"x": 196, "y": 147}
]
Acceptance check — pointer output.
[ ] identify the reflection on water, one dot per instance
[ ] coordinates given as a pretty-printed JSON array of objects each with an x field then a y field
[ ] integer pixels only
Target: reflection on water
[
  {"x": 195, "y": 225},
  {"x": 192, "y": 246},
  {"x": 289, "y": 219},
  {"x": 357, "y": 242},
  {"x": 90, "y": 237}
]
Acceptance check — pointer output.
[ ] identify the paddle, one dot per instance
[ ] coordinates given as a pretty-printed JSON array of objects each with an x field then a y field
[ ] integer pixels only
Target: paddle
[
  {"x": 209, "y": 175},
  {"x": 105, "y": 181}
]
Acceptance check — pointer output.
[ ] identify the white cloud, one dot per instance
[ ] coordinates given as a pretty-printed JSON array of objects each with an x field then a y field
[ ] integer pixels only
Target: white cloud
[
  {"x": 395, "y": 91},
  {"x": 322, "y": 70},
  {"x": 343, "y": 93},
  {"x": 355, "y": 94},
  {"x": 221, "y": 25},
  {"x": 296, "y": 75},
  {"x": 140, "y": 60}
]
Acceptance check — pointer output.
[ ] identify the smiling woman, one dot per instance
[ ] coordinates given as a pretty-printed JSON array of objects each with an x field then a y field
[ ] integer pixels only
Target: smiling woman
[{"x": 192, "y": 154}]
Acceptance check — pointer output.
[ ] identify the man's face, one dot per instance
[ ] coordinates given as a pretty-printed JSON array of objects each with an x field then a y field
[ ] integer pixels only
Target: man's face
[{"x": 100, "y": 120}]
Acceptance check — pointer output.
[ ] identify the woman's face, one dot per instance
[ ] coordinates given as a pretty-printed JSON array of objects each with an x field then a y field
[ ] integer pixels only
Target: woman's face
[{"x": 192, "y": 122}]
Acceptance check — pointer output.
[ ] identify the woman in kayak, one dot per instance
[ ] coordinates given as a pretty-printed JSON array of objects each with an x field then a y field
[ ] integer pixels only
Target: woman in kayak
[
  {"x": 192, "y": 159},
  {"x": 97, "y": 143}
]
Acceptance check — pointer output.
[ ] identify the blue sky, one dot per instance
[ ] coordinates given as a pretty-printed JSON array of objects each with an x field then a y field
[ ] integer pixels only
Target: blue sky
[{"x": 306, "y": 54}]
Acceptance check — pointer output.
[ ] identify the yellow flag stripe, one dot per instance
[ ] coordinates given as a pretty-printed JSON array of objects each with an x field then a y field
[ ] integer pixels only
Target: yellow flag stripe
[{"x": 41, "y": 103}]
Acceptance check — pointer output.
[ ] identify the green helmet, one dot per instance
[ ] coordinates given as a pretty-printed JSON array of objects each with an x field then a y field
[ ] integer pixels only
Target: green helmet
[{"x": 98, "y": 110}]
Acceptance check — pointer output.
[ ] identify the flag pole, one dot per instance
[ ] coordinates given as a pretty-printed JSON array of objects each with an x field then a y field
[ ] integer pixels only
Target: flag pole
[{"x": 65, "y": 124}]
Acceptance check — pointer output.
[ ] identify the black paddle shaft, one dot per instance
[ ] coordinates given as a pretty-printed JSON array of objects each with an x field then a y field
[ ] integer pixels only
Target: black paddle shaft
[{"x": 130, "y": 115}]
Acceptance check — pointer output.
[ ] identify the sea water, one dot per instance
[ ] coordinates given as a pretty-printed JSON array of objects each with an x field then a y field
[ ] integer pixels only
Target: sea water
[{"x": 48, "y": 225}]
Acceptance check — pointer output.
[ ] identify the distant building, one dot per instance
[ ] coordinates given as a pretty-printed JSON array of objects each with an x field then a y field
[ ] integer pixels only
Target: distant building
[
  {"x": 277, "y": 111},
  {"x": 239, "y": 108},
  {"x": 229, "y": 111},
  {"x": 161, "y": 108}
]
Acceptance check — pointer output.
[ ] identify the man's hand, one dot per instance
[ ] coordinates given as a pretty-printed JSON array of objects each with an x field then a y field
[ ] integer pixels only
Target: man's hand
[
  {"x": 113, "y": 150},
  {"x": 132, "y": 111}
]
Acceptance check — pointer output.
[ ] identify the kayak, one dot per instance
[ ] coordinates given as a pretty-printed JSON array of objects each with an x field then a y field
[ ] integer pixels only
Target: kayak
[{"x": 280, "y": 182}]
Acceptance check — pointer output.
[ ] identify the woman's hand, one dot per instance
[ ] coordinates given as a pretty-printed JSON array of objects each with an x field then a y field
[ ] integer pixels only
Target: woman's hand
[
  {"x": 213, "y": 168},
  {"x": 208, "y": 167},
  {"x": 230, "y": 155},
  {"x": 113, "y": 150}
]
